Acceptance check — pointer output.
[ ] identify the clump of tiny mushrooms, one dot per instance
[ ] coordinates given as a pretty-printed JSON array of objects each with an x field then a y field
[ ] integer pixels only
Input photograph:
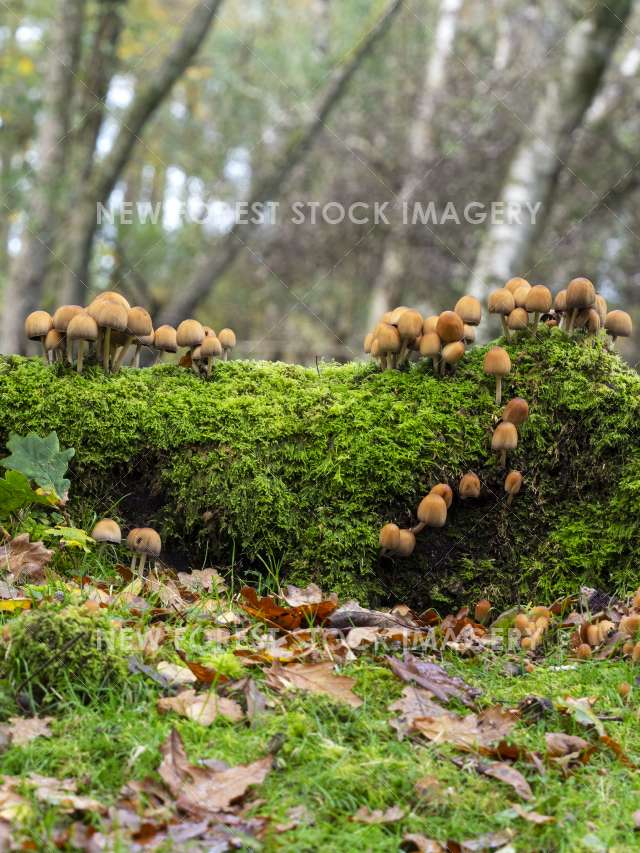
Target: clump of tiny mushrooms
[
  {"x": 443, "y": 338},
  {"x": 113, "y": 331},
  {"x": 142, "y": 541}
]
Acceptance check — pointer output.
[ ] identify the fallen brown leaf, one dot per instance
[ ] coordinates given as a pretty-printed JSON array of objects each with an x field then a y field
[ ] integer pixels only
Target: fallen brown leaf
[
  {"x": 296, "y": 816},
  {"x": 24, "y": 560},
  {"x": 560, "y": 744},
  {"x": 295, "y": 596},
  {"x": 204, "y": 674},
  {"x": 203, "y": 790},
  {"x": 390, "y": 815},
  {"x": 415, "y": 702},
  {"x": 314, "y": 678},
  {"x": 202, "y": 579},
  {"x": 510, "y": 776},
  {"x": 176, "y": 674},
  {"x": 470, "y": 732},
  {"x": 434, "y": 678},
  {"x": 531, "y": 816},
  {"x": 203, "y": 708},
  {"x": 153, "y": 639},
  {"x": 488, "y": 841},
  {"x": 416, "y": 843},
  {"x": 20, "y": 730},
  {"x": 266, "y": 609}
]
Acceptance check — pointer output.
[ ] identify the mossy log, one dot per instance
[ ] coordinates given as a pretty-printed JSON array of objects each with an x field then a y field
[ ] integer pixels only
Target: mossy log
[{"x": 296, "y": 468}]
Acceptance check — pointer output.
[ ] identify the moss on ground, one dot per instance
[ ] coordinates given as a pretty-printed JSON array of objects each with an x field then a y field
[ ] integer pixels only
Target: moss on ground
[{"x": 300, "y": 468}]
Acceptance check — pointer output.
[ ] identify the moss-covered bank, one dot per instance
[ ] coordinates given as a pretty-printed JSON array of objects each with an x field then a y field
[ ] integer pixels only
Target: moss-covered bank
[{"x": 275, "y": 461}]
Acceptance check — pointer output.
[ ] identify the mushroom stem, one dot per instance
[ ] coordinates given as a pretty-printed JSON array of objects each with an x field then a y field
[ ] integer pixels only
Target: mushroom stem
[
  {"x": 498, "y": 390},
  {"x": 226, "y": 355},
  {"x": 134, "y": 560},
  {"x": 123, "y": 352},
  {"x": 509, "y": 500},
  {"x": 106, "y": 349},
  {"x": 45, "y": 353},
  {"x": 503, "y": 458},
  {"x": 443, "y": 367},
  {"x": 418, "y": 528},
  {"x": 613, "y": 341},
  {"x": 81, "y": 348},
  {"x": 136, "y": 357},
  {"x": 209, "y": 365},
  {"x": 536, "y": 319},
  {"x": 143, "y": 560},
  {"x": 70, "y": 350},
  {"x": 436, "y": 365},
  {"x": 572, "y": 319},
  {"x": 505, "y": 328}
]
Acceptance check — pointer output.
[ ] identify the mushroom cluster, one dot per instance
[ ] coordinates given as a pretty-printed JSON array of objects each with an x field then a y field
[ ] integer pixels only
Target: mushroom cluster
[
  {"x": 441, "y": 337},
  {"x": 142, "y": 541},
  {"x": 432, "y": 512},
  {"x": 112, "y": 330},
  {"x": 576, "y": 308},
  {"x": 505, "y": 438},
  {"x": 531, "y": 627}
]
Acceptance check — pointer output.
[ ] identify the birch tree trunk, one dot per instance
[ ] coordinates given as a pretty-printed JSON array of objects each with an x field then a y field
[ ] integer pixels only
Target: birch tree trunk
[
  {"x": 387, "y": 284},
  {"x": 224, "y": 252},
  {"x": 151, "y": 94},
  {"x": 24, "y": 288},
  {"x": 545, "y": 149}
]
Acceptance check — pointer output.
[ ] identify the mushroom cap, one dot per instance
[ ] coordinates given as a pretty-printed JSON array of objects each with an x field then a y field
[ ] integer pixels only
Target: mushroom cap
[
  {"x": 388, "y": 338},
  {"x": 54, "y": 339},
  {"x": 469, "y": 486},
  {"x": 560, "y": 302},
  {"x": 406, "y": 544},
  {"x": 109, "y": 314},
  {"x": 470, "y": 309},
  {"x": 513, "y": 482},
  {"x": 389, "y": 537},
  {"x": 395, "y": 314},
  {"x": 227, "y": 338},
  {"x": 375, "y": 348},
  {"x": 497, "y": 362},
  {"x": 469, "y": 334},
  {"x": 514, "y": 283},
  {"x": 410, "y": 324},
  {"x": 450, "y": 327},
  {"x": 432, "y": 510},
  {"x": 501, "y": 301},
  {"x": 618, "y": 324},
  {"x": 516, "y": 411},
  {"x": 518, "y": 319},
  {"x": 82, "y": 327},
  {"x": 368, "y": 340},
  {"x": 520, "y": 296},
  {"x": 139, "y": 322},
  {"x": 63, "y": 316},
  {"x": 602, "y": 308},
  {"x": 165, "y": 339},
  {"x": 107, "y": 530},
  {"x": 429, "y": 324},
  {"x": 589, "y": 319},
  {"x": 208, "y": 331},
  {"x": 38, "y": 324},
  {"x": 539, "y": 299},
  {"x": 111, "y": 296},
  {"x": 445, "y": 491},
  {"x": 452, "y": 353},
  {"x": 430, "y": 344},
  {"x": 189, "y": 334},
  {"x": 505, "y": 437},
  {"x": 144, "y": 540},
  {"x": 146, "y": 340},
  {"x": 196, "y": 353},
  {"x": 580, "y": 294},
  {"x": 210, "y": 347}
]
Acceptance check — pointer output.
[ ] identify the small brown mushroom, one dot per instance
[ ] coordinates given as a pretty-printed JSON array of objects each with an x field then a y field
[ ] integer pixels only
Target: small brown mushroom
[
  {"x": 451, "y": 354},
  {"x": 580, "y": 294},
  {"x": 518, "y": 320},
  {"x": 516, "y": 411},
  {"x": 54, "y": 344},
  {"x": 406, "y": 544},
  {"x": 394, "y": 316},
  {"x": 430, "y": 323},
  {"x": 520, "y": 295},
  {"x": 512, "y": 485},
  {"x": 450, "y": 327},
  {"x": 444, "y": 491},
  {"x": 368, "y": 340},
  {"x": 61, "y": 319},
  {"x": 501, "y": 302},
  {"x": 432, "y": 511},
  {"x": 210, "y": 348},
  {"x": 110, "y": 316},
  {"x": 389, "y": 538},
  {"x": 389, "y": 343},
  {"x": 497, "y": 363},
  {"x": 227, "y": 338},
  {"x": 618, "y": 324},
  {"x": 514, "y": 283},
  {"x": 583, "y": 651},
  {"x": 107, "y": 530},
  {"x": 165, "y": 339},
  {"x": 538, "y": 301},
  {"x": 482, "y": 610},
  {"x": 189, "y": 334},
  {"x": 139, "y": 325},
  {"x": 430, "y": 347},
  {"x": 505, "y": 437},
  {"x": 146, "y": 542},
  {"x": 469, "y": 309},
  {"x": 83, "y": 329},
  {"x": 409, "y": 327},
  {"x": 469, "y": 486},
  {"x": 36, "y": 327}
]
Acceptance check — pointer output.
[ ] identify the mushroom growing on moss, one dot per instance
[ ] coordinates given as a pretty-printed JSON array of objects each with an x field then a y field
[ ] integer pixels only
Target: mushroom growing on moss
[
  {"x": 430, "y": 323},
  {"x": 618, "y": 324},
  {"x": 409, "y": 325},
  {"x": 432, "y": 512},
  {"x": 54, "y": 344},
  {"x": 83, "y": 329},
  {"x": 512, "y": 485},
  {"x": 539, "y": 300},
  {"x": 36, "y": 327},
  {"x": 469, "y": 486},
  {"x": 450, "y": 327},
  {"x": 451, "y": 354},
  {"x": 107, "y": 530},
  {"x": 227, "y": 338},
  {"x": 165, "y": 339},
  {"x": 61, "y": 319},
  {"x": 406, "y": 544},
  {"x": 444, "y": 491},
  {"x": 210, "y": 348},
  {"x": 430, "y": 347},
  {"x": 501, "y": 302},
  {"x": 518, "y": 320},
  {"x": 515, "y": 283},
  {"x": 580, "y": 294},
  {"x": 470, "y": 310},
  {"x": 110, "y": 316},
  {"x": 139, "y": 325},
  {"x": 516, "y": 411},
  {"x": 189, "y": 334},
  {"x": 389, "y": 538},
  {"x": 520, "y": 295},
  {"x": 497, "y": 363},
  {"x": 389, "y": 343},
  {"x": 505, "y": 438},
  {"x": 146, "y": 542}
]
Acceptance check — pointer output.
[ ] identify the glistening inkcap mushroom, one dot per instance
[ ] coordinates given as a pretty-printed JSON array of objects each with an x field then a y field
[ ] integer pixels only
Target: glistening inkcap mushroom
[
  {"x": 110, "y": 316},
  {"x": 227, "y": 338},
  {"x": 539, "y": 300},
  {"x": 36, "y": 327},
  {"x": 505, "y": 438},
  {"x": 501, "y": 302},
  {"x": 512, "y": 484},
  {"x": 516, "y": 411},
  {"x": 450, "y": 327},
  {"x": 210, "y": 348},
  {"x": 469, "y": 486},
  {"x": 445, "y": 491},
  {"x": 580, "y": 294},
  {"x": 432, "y": 511},
  {"x": 498, "y": 364},
  {"x": 406, "y": 544},
  {"x": 83, "y": 329},
  {"x": 189, "y": 334},
  {"x": 146, "y": 542},
  {"x": 389, "y": 538},
  {"x": 470, "y": 309},
  {"x": 618, "y": 324},
  {"x": 139, "y": 325},
  {"x": 61, "y": 319},
  {"x": 107, "y": 530},
  {"x": 165, "y": 339}
]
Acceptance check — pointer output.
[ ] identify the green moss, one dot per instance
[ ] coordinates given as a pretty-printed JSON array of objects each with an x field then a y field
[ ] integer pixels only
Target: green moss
[
  {"x": 276, "y": 461},
  {"x": 52, "y": 654}
]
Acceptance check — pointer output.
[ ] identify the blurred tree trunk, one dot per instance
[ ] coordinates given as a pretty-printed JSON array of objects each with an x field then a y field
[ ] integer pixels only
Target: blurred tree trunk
[
  {"x": 24, "y": 288},
  {"x": 224, "y": 252},
  {"x": 546, "y": 146},
  {"x": 388, "y": 283},
  {"x": 152, "y": 91}
]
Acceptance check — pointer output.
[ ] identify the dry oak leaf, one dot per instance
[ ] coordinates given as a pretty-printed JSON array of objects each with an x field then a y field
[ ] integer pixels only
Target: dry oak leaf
[
  {"x": 21, "y": 730},
  {"x": 560, "y": 744},
  {"x": 314, "y": 678},
  {"x": 153, "y": 639},
  {"x": 390, "y": 815},
  {"x": 434, "y": 678},
  {"x": 510, "y": 776},
  {"x": 204, "y": 790},
  {"x": 24, "y": 560},
  {"x": 204, "y": 674},
  {"x": 414, "y": 703},
  {"x": 203, "y": 708},
  {"x": 268, "y": 610},
  {"x": 295, "y": 596},
  {"x": 416, "y": 843},
  {"x": 62, "y": 793},
  {"x": 175, "y": 674},
  {"x": 202, "y": 579},
  {"x": 531, "y": 816},
  {"x": 470, "y": 732}
]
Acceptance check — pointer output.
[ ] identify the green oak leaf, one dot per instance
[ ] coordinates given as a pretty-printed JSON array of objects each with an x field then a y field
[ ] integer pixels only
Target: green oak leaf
[
  {"x": 40, "y": 459},
  {"x": 16, "y": 493}
]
